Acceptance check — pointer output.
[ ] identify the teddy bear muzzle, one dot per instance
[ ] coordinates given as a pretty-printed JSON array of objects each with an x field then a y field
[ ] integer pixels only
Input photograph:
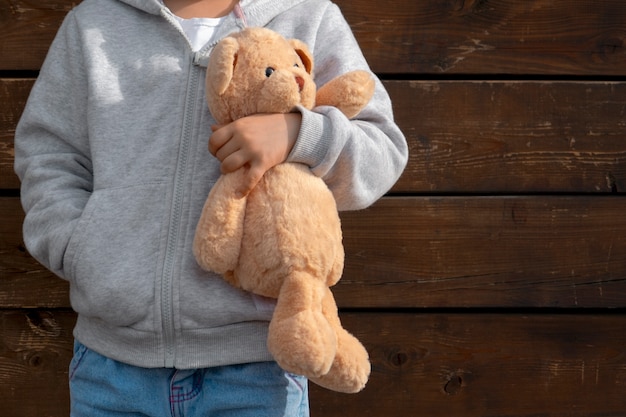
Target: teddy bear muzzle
[{"x": 300, "y": 82}]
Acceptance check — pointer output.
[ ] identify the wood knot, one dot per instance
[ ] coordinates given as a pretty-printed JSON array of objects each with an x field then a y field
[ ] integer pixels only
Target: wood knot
[
  {"x": 456, "y": 381},
  {"x": 454, "y": 385},
  {"x": 519, "y": 213},
  {"x": 608, "y": 48},
  {"x": 399, "y": 357},
  {"x": 468, "y": 6},
  {"x": 43, "y": 324},
  {"x": 611, "y": 183},
  {"x": 35, "y": 360}
]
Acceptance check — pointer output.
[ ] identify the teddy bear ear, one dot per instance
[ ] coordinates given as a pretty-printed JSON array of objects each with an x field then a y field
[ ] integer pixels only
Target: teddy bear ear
[
  {"x": 222, "y": 64},
  {"x": 303, "y": 52}
]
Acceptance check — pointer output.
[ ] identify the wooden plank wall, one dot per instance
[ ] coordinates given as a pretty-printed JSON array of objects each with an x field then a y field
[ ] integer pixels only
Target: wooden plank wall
[{"x": 491, "y": 281}]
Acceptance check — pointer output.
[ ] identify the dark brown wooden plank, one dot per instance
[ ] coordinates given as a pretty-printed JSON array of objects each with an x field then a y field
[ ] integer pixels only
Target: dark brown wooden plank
[
  {"x": 28, "y": 27},
  {"x": 543, "y": 251},
  {"x": 475, "y": 365},
  {"x": 474, "y": 137},
  {"x": 577, "y": 37},
  {"x": 470, "y": 365},
  {"x": 509, "y": 137},
  {"x": 491, "y": 37},
  {"x": 35, "y": 350},
  {"x": 13, "y": 96}
]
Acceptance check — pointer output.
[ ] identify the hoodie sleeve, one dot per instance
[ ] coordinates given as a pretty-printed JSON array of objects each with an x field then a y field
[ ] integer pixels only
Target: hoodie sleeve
[
  {"x": 51, "y": 151},
  {"x": 359, "y": 159}
]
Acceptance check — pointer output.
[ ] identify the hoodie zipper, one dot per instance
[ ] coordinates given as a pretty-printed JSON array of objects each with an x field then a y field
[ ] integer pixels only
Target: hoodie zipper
[{"x": 174, "y": 233}]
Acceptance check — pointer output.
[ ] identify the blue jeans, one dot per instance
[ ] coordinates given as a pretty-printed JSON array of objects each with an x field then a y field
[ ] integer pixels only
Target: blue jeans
[{"x": 102, "y": 387}]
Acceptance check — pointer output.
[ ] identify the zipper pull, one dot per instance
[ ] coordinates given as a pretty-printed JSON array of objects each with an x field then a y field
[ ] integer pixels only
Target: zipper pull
[
  {"x": 196, "y": 58},
  {"x": 201, "y": 58}
]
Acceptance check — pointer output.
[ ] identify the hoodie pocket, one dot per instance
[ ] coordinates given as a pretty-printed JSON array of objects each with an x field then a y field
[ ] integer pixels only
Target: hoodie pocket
[{"x": 112, "y": 257}]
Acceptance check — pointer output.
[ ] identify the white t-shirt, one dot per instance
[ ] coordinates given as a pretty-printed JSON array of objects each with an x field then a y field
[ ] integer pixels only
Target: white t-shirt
[{"x": 199, "y": 30}]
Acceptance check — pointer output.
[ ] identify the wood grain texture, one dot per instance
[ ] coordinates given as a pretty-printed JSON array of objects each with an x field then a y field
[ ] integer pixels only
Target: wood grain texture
[
  {"x": 419, "y": 252},
  {"x": 491, "y": 36},
  {"x": 13, "y": 96},
  {"x": 28, "y": 27},
  {"x": 486, "y": 252},
  {"x": 35, "y": 351},
  {"x": 512, "y": 136},
  {"x": 474, "y": 136},
  {"x": 575, "y": 37},
  {"x": 470, "y": 365},
  {"x": 486, "y": 365}
]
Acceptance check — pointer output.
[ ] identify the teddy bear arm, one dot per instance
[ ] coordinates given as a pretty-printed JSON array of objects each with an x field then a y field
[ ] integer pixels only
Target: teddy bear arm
[
  {"x": 349, "y": 92},
  {"x": 217, "y": 241}
]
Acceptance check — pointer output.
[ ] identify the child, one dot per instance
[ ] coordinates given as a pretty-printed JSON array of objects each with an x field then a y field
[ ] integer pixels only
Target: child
[{"x": 112, "y": 154}]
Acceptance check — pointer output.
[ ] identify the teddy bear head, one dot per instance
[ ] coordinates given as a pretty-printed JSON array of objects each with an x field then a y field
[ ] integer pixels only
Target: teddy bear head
[{"x": 258, "y": 63}]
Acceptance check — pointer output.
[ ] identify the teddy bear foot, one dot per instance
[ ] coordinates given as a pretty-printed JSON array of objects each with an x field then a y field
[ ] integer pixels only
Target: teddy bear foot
[
  {"x": 348, "y": 384},
  {"x": 303, "y": 344},
  {"x": 351, "y": 368}
]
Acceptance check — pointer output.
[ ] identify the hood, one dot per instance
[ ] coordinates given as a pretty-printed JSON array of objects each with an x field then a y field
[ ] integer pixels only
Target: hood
[
  {"x": 148, "y": 6},
  {"x": 257, "y": 12}
]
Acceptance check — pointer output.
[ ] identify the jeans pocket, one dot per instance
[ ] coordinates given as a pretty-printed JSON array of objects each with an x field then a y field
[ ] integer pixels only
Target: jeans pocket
[
  {"x": 79, "y": 353},
  {"x": 298, "y": 381},
  {"x": 298, "y": 394}
]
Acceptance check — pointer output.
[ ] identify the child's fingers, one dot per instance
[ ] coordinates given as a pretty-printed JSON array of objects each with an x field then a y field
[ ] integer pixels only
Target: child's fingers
[
  {"x": 251, "y": 179},
  {"x": 219, "y": 138},
  {"x": 232, "y": 161},
  {"x": 231, "y": 149}
]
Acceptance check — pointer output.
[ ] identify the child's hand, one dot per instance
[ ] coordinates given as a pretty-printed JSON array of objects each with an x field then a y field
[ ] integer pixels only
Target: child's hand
[{"x": 256, "y": 143}]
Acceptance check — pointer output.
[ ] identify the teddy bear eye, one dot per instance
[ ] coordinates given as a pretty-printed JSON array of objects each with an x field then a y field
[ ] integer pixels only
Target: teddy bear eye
[{"x": 269, "y": 71}]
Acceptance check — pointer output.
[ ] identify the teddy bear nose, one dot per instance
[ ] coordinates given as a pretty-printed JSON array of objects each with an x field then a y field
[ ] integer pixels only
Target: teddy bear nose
[{"x": 300, "y": 82}]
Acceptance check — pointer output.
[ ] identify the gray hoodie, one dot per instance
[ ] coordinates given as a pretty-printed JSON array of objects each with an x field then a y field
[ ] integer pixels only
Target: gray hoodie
[{"x": 112, "y": 154}]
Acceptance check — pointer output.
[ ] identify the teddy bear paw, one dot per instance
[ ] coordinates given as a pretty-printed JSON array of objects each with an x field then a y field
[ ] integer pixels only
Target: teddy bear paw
[{"x": 351, "y": 367}]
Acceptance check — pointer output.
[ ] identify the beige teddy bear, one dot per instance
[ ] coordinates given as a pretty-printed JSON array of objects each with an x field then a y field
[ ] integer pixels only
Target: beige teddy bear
[{"x": 283, "y": 240}]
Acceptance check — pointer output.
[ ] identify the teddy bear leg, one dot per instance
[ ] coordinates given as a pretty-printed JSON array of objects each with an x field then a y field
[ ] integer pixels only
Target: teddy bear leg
[
  {"x": 300, "y": 337},
  {"x": 351, "y": 367},
  {"x": 219, "y": 231}
]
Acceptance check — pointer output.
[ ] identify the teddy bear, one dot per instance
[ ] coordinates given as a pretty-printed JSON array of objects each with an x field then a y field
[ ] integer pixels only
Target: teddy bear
[{"x": 283, "y": 240}]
